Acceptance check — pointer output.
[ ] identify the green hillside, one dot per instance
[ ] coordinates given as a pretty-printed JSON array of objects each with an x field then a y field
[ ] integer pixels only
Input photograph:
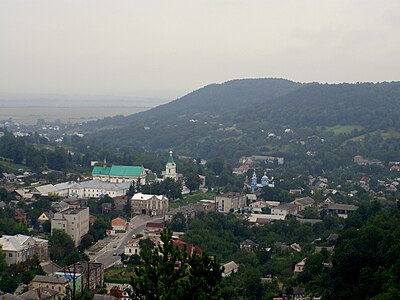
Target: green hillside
[{"x": 235, "y": 118}]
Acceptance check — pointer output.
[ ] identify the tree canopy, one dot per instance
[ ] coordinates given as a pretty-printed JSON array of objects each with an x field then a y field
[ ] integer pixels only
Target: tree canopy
[{"x": 170, "y": 273}]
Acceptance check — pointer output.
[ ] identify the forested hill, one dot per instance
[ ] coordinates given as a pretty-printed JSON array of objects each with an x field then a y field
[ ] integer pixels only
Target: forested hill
[{"x": 235, "y": 118}]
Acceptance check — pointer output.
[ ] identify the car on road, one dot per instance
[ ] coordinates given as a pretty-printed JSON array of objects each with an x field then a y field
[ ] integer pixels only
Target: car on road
[{"x": 115, "y": 254}]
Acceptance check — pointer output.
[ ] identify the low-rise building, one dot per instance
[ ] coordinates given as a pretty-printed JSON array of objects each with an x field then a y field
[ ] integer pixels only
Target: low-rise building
[
  {"x": 55, "y": 283},
  {"x": 342, "y": 210},
  {"x": 299, "y": 267},
  {"x": 92, "y": 274},
  {"x": 230, "y": 268},
  {"x": 74, "y": 222},
  {"x": 146, "y": 204},
  {"x": 230, "y": 201},
  {"x": 303, "y": 203},
  {"x": 97, "y": 188},
  {"x": 284, "y": 210},
  {"x": 119, "y": 224},
  {"x": 20, "y": 248},
  {"x": 132, "y": 247},
  {"x": 41, "y": 293},
  {"x": 46, "y": 216}
]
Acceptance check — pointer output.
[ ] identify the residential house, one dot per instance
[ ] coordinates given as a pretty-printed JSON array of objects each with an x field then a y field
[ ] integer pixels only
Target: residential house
[
  {"x": 74, "y": 222},
  {"x": 119, "y": 224},
  {"x": 132, "y": 247},
  {"x": 46, "y": 216},
  {"x": 119, "y": 174},
  {"x": 230, "y": 201},
  {"x": 284, "y": 210},
  {"x": 230, "y": 268},
  {"x": 22, "y": 194},
  {"x": 146, "y": 204},
  {"x": 303, "y": 203},
  {"x": 342, "y": 210},
  {"x": 19, "y": 248},
  {"x": 299, "y": 267}
]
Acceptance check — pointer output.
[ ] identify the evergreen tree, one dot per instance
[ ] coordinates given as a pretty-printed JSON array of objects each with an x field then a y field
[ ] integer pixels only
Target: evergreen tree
[{"x": 170, "y": 273}]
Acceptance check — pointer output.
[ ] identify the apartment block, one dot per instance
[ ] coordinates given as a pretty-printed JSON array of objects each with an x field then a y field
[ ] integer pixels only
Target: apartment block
[{"x": 74, "y": 222}]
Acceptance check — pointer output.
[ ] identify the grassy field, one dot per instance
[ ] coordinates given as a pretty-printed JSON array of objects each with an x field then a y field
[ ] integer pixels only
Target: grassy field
[
  {"x": 343, "y": 129},
  {"x": 385, "y": 135},
  {"x": 118, "y": 274},
  {"x": 191, "y": 199},
  {"x": 11, "y": 167}
]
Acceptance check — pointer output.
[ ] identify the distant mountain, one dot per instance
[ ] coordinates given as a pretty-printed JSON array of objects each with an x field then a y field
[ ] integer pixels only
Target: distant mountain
[{"x": 235, "y": 118}]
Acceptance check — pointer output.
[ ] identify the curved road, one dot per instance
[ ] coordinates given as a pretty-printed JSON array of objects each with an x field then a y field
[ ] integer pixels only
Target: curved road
[{"x": 109, "y": 255}]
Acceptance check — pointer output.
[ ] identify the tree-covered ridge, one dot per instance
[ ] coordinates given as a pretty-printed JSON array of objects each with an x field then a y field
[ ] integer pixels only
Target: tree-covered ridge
[{"x": 235, "y": 118}]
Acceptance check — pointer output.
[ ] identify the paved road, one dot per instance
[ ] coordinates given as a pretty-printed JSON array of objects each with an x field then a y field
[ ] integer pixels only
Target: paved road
[{"x": 109, "y": 255}]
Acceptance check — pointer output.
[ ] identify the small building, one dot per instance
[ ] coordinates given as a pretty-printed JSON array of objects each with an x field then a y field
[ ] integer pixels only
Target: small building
[
  {"x": 132, "y": 247},
  {"x": 46, "y": 216},
  {"x": 230, "y": 268},
  {"x": 284, "y": 210},
  {"x": 303, "y": 203},
  {"x": 342, "y": 210},
  {"x": 119, "y": 224},
  {"x": 299, "y": 267}
]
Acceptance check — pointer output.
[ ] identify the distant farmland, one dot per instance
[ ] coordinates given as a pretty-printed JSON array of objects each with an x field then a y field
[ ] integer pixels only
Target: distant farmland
[{"x": 30, "y": 115}]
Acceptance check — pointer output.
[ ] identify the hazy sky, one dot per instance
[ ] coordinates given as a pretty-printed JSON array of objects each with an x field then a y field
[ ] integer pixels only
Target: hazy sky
[{"x": 168, "y": 48}]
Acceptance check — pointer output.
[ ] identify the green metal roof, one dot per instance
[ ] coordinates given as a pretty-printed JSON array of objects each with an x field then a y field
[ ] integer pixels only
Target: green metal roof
[
  {"x": 97, "y": 170},
  {"x": 170, "y": 160},
  {"x": 130, "y": 171}
]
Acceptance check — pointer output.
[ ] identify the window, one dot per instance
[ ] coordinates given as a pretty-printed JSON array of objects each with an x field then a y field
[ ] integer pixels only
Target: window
[{"x": 9, "y": 254}]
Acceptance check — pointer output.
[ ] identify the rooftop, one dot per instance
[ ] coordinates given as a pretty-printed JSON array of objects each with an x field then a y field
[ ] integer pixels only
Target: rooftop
[
  {"x": 123, "y": 171},
  {"x": 50, "y": 279}
]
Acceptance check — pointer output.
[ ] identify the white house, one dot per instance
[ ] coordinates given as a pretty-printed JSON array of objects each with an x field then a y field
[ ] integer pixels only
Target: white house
[{"x": 132, "y": 247}]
